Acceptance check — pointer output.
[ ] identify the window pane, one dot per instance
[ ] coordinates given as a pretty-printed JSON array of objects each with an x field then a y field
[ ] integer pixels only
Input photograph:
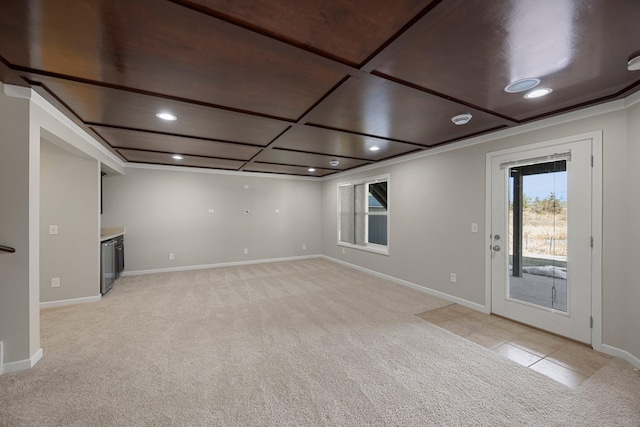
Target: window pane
[
  {"x": 347, "y": 225},
  {"x": 378, "y": 197},
  {"x": 378, "y": 229},
  {"x": 538, "y": 234},
  {"x": 360, "y": 216}
]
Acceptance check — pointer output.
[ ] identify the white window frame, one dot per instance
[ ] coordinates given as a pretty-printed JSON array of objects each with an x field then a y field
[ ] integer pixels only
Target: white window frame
[{"x": 370, "y": 247}]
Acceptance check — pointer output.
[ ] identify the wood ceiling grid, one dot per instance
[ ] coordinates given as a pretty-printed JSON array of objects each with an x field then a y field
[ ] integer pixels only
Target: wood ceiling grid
[{"x": 279, "y": 87}]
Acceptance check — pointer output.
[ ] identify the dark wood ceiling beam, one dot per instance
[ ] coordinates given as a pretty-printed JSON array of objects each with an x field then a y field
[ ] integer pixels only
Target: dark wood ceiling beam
[
  {"x": 323, "y": 154},
  {"x": 443, "y": 96},
  {"x": 394, "y": 45},
  {"x": 303, "y": 118},
  {"x": 349, "y": 66},
  {"x": 170, "y": 153},
  {"x": 179, "y": 135},
  {"x": 30, "y": 73},
  {"x": 363, "y": 134},
  {"x": 386, "y": 48},
  {"x": 268, "y": 147}
]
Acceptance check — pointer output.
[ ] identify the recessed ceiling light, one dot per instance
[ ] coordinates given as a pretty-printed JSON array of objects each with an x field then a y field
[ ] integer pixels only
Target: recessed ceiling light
[
  {"x": 537, "y": 93},
  {"x": 374, "y": 148},
  {"x": 177, "y": 157},
  {"x": 311, "y": 169},
  {"x": 634, "y": 63},
  {"x": 461, "y": 119},
  {"x": 521, "y": 85},
  {"x": 166, "y": 116},
  {"x": 334, "y": 163}
]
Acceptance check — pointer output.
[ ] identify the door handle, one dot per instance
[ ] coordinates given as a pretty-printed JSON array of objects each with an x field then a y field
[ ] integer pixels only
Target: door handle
[{"x": 496, "y": 248}]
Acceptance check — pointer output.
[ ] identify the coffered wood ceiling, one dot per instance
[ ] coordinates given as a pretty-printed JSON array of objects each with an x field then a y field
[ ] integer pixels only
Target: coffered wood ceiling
[{"x": 284, "y": 86}]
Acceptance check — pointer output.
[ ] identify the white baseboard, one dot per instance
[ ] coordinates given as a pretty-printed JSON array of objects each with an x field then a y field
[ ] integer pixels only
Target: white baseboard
[
  {"x": 20, "y": 365},
  {"x": 60, "y": 303},
  {"x": 622, "y": 354},
  {"x": 223, "y": 264},
  {"x": 433, "y": 292}
]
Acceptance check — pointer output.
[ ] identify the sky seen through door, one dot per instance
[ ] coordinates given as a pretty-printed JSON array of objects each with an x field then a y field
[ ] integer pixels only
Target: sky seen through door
[{"x": 539, "y": 185}]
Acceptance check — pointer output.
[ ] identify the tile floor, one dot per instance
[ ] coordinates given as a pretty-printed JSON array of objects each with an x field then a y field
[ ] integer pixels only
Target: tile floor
[{"x": 561, "y": 359}]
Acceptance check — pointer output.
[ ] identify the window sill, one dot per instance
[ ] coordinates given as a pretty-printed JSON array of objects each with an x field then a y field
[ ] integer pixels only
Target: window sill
[{"x": 382, "y": 250}]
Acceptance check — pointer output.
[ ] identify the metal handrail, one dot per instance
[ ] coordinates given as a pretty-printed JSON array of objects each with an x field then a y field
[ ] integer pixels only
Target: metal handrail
[{"x": 7, "y": 249}]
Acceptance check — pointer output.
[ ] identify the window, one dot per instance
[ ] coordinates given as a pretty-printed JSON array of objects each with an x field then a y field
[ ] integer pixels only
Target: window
[{"x": 363, "y": 214}]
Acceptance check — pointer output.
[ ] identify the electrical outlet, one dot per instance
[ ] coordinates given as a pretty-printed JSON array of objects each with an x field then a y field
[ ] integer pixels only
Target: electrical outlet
[
  {"x": 304, "y": 247},
  {"x": 53, "y": 229},
  {"x": 246, "y": 211},
  {"x": 453, "y": 278},
  {"x": 474, "y": 227},
  {"x": 277, "y": 210},
  {"x": 211, "y": 210},
  {"x": 246, "y": 186},
  {"x": 246, "y": 251},
  {"x": 55, "y": 282},
  {"x": 171, "y": 255}
]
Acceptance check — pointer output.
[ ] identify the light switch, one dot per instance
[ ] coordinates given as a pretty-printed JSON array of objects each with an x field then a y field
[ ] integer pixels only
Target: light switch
[
  {"x": 53, "y": 229},
  {"x": 474, "y": 227}
]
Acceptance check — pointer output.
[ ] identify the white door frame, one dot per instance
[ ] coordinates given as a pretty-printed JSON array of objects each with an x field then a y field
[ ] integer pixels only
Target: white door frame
[{"x": 596, "y": 231}]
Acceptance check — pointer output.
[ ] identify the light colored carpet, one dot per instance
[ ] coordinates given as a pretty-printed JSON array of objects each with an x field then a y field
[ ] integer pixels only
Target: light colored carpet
[{"x": 296, "y": 343}]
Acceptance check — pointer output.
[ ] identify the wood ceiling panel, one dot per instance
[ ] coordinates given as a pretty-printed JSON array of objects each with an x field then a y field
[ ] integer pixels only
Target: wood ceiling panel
[
  {"x": 337, "y": 143},
  {"x": 349, "y": 31},
  {"x": 295, "y": 158},
  {"x": 471, "y": 50},
  {"x": 96, "y": 104},
  {"x": 284, "y": 169},
  {"x": 164, "y": 48},
  {"x": 121, "y": 138},
  {"x": 165, "y": 159},
  {"x": 299, "y": 79},
  {"x": 386, "y": 109}
]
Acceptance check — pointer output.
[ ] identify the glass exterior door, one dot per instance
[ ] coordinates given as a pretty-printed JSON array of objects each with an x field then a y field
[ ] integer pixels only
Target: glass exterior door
[{"x": 540, "y": 236}]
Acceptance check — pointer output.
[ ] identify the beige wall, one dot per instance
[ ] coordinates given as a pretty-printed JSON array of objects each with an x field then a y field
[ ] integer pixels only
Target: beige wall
[
  {"x": 19, "y": 327},
  {"x": 69, "y": 198},
  {"x": 434, "y": 200},
  {"x": 168, "y": 211},
  {"x": 629, "y": 250}
]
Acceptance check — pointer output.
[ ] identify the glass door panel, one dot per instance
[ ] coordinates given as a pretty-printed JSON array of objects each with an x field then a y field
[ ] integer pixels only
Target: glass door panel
[{"x": 538, "y": 234}]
